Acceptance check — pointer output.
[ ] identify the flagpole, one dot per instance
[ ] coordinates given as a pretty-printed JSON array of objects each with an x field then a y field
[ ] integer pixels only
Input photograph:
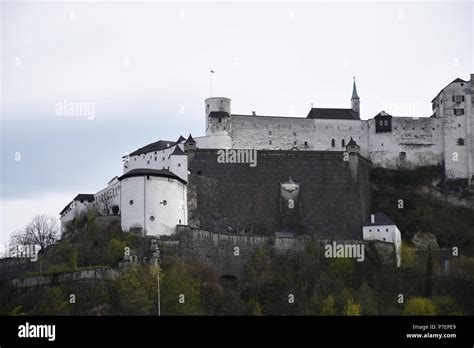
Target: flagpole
[{"x": 210, "y": 77}]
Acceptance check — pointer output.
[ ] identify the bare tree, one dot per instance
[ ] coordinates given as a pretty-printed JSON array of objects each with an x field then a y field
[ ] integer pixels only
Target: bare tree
[{"x": 42, "y": 230}]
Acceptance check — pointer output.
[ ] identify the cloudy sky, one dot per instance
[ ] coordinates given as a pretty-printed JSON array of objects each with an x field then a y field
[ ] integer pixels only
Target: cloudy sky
[{"x": 143, "y": 69}]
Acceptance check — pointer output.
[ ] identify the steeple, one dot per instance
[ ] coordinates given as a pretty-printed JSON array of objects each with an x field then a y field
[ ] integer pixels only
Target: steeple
[{"x": 355, "y": 101}]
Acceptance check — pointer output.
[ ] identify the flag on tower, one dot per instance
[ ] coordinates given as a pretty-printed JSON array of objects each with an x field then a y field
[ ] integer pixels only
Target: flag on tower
[{"x": 212, "y": 71}]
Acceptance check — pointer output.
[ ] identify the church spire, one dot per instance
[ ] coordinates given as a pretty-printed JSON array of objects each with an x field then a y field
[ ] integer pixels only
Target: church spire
[
  {"x": 355, "y": 102},
  {"x": 354, "y": 90}
]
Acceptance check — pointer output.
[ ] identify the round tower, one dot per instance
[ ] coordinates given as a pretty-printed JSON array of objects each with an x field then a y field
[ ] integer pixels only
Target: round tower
[
  {"x": 217, "y": 113},
  {"x": 218, "y": 122}
]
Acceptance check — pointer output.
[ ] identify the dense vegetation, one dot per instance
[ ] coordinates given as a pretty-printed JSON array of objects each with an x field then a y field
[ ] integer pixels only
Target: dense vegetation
[{"x": 291, "y": 283}]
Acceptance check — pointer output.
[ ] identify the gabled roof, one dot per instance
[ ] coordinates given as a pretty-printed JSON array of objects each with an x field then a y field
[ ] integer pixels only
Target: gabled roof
[
  {"x": 177, "y": 152},
  {"x": 335, "y": 114},
  {"x": 454, "y": 81},
  {"x": 380, "y": 219},
  {"x": 352, "y": 143},
  {"x": 190, "y": 139},
  {"x": 181, "y": 138},
  {"x": 151, "y": 172},
  {"x": 382, "y": 114},
  {"x": 156, "y": 146}
]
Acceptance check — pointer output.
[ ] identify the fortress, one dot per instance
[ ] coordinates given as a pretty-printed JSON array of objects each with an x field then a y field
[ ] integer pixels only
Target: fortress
[{"x": 311, "y": 174}]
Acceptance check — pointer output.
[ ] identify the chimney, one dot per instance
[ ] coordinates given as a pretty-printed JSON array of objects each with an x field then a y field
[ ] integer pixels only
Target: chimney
[
  {"x": 253, "y": 113},
  {"x": 372, "y": 219}
]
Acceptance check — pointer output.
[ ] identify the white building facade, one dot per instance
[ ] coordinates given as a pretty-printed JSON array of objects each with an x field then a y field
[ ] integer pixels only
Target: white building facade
[{"x": 150, "y": 196}]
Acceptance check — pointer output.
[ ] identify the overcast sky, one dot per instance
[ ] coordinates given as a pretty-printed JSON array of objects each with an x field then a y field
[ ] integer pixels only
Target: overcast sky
[{"x": 144, "y": 67}]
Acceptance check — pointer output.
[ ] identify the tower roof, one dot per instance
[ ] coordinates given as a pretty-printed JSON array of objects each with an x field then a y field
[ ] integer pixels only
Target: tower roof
[
  {"x": 354, "y": 90},
  {"x": 181, "y": 138},
  {"x": 177, "y": 152},
  {"x": 190, "y": 139},
  {"x": 352, "y": 143}
]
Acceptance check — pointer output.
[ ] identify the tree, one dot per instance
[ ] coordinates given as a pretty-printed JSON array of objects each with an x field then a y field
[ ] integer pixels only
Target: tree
[
  {"x": 133, "y": 296},
  {"x": 42, "y": 230},
  {"x": 352, "y": 308},
  {"x": 328, "y": 306},
  {"x": 420, "y": 306}
]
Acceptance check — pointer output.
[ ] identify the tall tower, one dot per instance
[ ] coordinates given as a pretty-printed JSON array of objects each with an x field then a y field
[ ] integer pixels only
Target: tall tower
[
  {"x": 355, "y": 101},
  {"x": 218, "y": 122}
]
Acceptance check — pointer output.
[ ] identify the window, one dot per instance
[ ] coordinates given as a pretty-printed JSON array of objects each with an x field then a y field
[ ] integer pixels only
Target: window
[
  {"x": 179, "y": 164},
  {"x": 458, "y": 112},
  {"x": 130, "y": 202},
  {"x": 333, "y": 143},
  {"x": 294, "y": 142},
  {"x": 270, "y": 142},
  {"x": 459, "y": 125},
  {"x": 386, "y": 229},
  {"x": 385, "y": 122},
  {"x": 152, "y": 218},
  {"x": 402, "y": 155},
  {"x": 165, "y": 202},
  {"x": 220, "y": 120},
  {"x": 156, "y": 158},
  {"x": 147, "y": 162},
  {"x": 199, "y": 172},
  {"x": 343, "y": 143},
  {"x": 270, "y": 133},
  {"x": 305, "y": 143},
  {"x": 294, "y": 133},
  {"x": 381, "y": 122},
  {"x": 460, "y": 141}
]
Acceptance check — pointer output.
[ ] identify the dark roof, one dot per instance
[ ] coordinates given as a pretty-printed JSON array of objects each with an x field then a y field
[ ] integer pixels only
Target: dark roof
[
  {"x": 382, "y": 114},
  {"x": 84, "y": 197},
  {"x": 336, "y": 114},
  {"x": 156, "y": 146},
  {"x": 190, "y": 139},
  {"x": 352, "y": 143},
  {"x": 112, "y": 179},
  {"x": 181, "y": 138},
  {"x": 177, "y": 152},
  {"x": 152, "y": 172},
  {"x": 80, "y": 197},
  {"x": 219, "y": 114},
  {"x": 457, "y": 80},
  {"x": 380, "y": 219}
]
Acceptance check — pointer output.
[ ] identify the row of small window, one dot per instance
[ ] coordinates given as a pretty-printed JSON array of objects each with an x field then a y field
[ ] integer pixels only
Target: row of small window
[
  {"x": 422, "y": 128},
  {"x": 333, "y": 143},
  {"x": 454, "y": 98},
  {"x": 164, "y": 202},
  {"x": 383, "y": 123},
  {"x": 378, "y": 230},
  {"x": 326, "y": 127},
  {"x": 106, "y": 195}
]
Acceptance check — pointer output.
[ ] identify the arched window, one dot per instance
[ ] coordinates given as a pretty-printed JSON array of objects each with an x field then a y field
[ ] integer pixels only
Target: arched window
[
  {"x": 333, "y": 143},
  {"x": 343, "y": 143}
]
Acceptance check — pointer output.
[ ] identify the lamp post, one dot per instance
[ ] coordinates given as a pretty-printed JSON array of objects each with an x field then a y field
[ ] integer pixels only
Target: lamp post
[{"x": 158, "y": 280}]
